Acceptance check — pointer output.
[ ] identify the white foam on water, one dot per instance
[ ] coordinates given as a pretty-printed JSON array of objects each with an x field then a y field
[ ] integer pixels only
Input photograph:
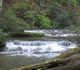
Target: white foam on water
[
  {"x": 53, "y": 33},
  {"x": 40, "y": 48},
  {"x": 35, "y": 31},
  {"x": 37, "y": 48}
]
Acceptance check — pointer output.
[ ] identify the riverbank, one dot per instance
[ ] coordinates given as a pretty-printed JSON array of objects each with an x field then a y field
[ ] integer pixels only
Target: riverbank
[
  {"x": 69, "y": 60},
  {"x": 25, "y": 34}
]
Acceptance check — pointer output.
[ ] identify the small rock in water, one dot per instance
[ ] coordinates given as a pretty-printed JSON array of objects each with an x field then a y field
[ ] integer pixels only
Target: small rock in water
[
  {"x": 21, "y": 52},
  {"x": 19, "y": 48},
  {"x": 37, "y": 52},
  {"x": 65, "y": 43},
  {"x": 16, "y": 43}
]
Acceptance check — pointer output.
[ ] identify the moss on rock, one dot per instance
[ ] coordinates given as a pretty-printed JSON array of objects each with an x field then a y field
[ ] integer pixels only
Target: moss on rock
[
  {"x": 69, "y": 60},
  {"x": 2, "y": 44},
  {"x": 68, "y": 53},
  {"x": 68, "y": 67},
  {"x": 23, "y": 34}
]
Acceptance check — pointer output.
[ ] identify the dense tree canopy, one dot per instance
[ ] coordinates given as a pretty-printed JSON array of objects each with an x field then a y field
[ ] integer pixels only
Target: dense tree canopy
[{"x": 42, "y": 13}]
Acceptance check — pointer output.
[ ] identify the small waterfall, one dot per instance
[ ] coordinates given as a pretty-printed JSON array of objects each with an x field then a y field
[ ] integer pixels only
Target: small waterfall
[
  {"x": 45, "y": 49},
  {"x": 54, "y": 33},
  {"x": 26, "y": 51}
]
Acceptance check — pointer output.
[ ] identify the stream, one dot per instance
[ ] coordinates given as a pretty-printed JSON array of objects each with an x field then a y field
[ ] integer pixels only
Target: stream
[{"x": 19, "y": 52}]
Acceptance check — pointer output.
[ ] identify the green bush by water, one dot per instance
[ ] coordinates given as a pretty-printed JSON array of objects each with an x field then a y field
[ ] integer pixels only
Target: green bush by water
[{"x": 2, "y": 38}]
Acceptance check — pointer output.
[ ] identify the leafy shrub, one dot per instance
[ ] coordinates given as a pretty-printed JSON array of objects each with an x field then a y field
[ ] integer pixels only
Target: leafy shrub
[
  {"x": 54, "y": 11},
  {"x": 22, "y": 13},
  {"x": 66, "y": 2},
  {"x": 2, "y": 35},
  {"x": 29, "y": 17},
  {"x": 60, "y": 17},
  {"x": 20, "y": 8},
  {"x": 42, "y": 21},
  {"x": 10, "y": 23},
  {"x": 62, "y": 20},
  {"x": 37, "y": 20}
]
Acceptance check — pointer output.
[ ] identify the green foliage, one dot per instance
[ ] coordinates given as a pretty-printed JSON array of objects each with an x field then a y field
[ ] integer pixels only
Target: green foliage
[
  {"x": 21, "y": 19},
  {"x": 42, "y": 21},
  {"x": 78, "y": 12},
  {"x": 2, "y": 35},
  {"x": 54, "y": 11},
  {"x": 40, "y": 4},
  {"x": 63, "y": 20},
  {"x": 27, "y": 14},
  {"x": 60, "y": 18},
  {"x": 72, "y": 2},
  {"x": 37, "y": 20},
  {"x": 30, "y": 18},
  {"x": 20, "y": 8},
  {"x": 10, "y": 13},
  {"x": 66, "y": 2},
  {"x": 74, "y": 28},
  {"x": 10, "y": 24},
  {"x": 55, "y": 24}
]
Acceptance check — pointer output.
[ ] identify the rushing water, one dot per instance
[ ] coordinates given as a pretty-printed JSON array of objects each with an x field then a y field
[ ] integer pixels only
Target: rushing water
[
  {"x": 46, "y": 49},
  {"x": 54, "y": 33},
  {"x": 28, "y": 51}
]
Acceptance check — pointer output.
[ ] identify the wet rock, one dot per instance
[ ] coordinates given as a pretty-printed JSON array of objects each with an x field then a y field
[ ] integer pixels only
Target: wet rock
[
  {"x": 21, "y": 52},
  {"x": 37, "y": 52},
  {"x": 69, "y": 63},
  {"x": 26, "y": 34},
  {"x": 16, "y": 43},
  {"x": 65, "y": 43},
  {"x": 2, "y": 44},
  {"x": 16, "y": 49},
  {"x": 19, "y": 48}
]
